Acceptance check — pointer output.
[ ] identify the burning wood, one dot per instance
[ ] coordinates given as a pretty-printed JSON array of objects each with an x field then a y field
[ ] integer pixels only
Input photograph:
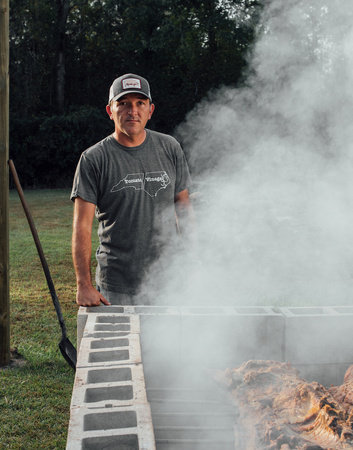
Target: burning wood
[{"x": 279, "y": 410}]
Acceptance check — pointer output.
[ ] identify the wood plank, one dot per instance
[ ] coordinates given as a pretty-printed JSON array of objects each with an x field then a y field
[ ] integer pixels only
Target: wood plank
[{"x": 4, "y": 185}]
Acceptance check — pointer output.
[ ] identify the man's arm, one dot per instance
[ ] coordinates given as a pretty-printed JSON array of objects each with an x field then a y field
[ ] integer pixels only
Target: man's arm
[
  {"x": 185, "y": 214},
  {"x": 86, "y": 294}
]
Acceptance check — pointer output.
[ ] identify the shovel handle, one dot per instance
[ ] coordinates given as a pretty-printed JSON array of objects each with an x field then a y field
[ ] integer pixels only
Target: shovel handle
[{"x": 39, "y": 248}]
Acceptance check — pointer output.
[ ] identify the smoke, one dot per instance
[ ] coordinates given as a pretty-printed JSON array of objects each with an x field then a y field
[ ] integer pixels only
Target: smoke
[{"x": 272, "y": 165}]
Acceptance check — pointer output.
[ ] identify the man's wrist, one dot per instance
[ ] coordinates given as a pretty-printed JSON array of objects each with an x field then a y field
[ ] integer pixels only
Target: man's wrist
[{"x": 81, "y": 284}]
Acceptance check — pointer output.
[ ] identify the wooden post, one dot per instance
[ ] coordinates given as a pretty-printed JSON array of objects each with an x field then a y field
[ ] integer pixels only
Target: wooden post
[{"x": 4, "y": 185}]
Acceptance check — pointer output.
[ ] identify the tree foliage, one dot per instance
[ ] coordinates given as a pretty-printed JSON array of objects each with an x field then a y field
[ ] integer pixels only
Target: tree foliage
[{"x": 65, "y": 54}]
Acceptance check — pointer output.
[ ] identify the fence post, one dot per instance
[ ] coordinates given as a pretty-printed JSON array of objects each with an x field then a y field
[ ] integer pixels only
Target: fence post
[{"x": 4, "y": 185}]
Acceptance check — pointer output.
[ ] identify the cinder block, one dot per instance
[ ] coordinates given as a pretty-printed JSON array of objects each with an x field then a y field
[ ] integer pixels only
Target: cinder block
[
  {"x": 206, "y": 310},
  {"x": 156, "y": 310},
  {"x": 106, "y": 334},
  {"x": 100, "y": 322},
  {"x": 83, "y": 313},
  {"x": 109, "y": 351},
  {"x": 81, "y": 323},
  {"x": 318, "y": 335},
  {"x": 127, "y": 427},
  {"x": 160, "y": 346},
  {"x": 342, "y": 309},
  {"x": 113, "y": 309},
  {"x": 160, "y": 336},
  {"x": 229, "y": 338},
  {"x": 325, "y": 374},
  {"x": 228, "y": 310},
  {"x": 113, "y": 386}
]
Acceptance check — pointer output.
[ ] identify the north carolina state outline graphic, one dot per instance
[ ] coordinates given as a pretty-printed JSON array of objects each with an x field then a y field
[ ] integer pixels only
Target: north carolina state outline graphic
[{"x": 149, "y": 182}]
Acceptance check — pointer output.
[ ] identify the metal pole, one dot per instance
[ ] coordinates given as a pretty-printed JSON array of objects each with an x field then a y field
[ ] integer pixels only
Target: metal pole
[{"x": 4, "y": 185}]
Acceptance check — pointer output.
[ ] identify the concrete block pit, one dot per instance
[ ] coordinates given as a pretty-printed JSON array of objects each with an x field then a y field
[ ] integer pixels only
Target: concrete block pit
[{"x": 145, "y": 375}]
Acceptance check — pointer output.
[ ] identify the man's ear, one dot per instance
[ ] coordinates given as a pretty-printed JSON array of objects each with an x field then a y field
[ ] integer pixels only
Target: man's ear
[
  {"x": 151, "y": 110},
  {"x": 109, "y": 112}
]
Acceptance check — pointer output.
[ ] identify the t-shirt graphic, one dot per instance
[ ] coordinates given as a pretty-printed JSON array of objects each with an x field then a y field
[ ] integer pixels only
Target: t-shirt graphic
[{"x": 150, "y": 182}]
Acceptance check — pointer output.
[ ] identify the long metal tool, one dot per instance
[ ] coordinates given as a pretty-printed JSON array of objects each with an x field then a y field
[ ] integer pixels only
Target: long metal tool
[{"x": 66, "y": 347}]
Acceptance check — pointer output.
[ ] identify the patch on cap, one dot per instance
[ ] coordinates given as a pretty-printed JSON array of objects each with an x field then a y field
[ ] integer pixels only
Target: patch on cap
[{"x": 131, "y": 83}]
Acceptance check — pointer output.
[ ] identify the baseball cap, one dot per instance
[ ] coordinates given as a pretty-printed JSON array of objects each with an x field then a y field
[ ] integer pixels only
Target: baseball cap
[{"x": 129, "y": 84}]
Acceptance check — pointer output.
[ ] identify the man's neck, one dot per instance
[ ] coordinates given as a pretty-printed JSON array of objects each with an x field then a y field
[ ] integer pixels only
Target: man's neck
[{"x": 130, "y": 141}]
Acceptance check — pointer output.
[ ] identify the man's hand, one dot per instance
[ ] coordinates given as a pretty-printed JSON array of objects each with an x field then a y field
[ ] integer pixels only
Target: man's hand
[{"x": 88, "y": 296}]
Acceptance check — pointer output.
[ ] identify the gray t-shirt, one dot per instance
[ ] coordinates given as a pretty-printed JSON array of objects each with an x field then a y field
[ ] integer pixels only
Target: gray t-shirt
[{"x": 133, "y": 189}]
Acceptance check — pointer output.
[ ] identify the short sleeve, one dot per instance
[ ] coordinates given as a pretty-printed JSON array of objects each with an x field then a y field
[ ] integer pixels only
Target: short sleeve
[
  {"x": 85, "y": 184},
  {"x": 183, "y": 179}
]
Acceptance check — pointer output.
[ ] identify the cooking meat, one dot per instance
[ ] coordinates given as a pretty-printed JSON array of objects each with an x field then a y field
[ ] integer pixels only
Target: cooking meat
[
  {"x": 279, "y": 410},
  {"x": 344, "y": 393}
]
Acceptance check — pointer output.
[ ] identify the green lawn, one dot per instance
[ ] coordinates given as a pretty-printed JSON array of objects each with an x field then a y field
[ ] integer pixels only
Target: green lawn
[{"x": 35, "y": 397}]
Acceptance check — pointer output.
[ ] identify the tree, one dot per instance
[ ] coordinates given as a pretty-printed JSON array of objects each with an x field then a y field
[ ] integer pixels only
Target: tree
[
  {"x": 66, "y": 53},
  {"x": 62, "y": 8}
]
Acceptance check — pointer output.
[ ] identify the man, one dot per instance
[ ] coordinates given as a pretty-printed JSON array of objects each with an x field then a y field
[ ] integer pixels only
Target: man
[{"x": 134, "y": 181}]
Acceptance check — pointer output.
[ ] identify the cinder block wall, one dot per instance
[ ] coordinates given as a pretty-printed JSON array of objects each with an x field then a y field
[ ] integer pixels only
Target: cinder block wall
[
  {"x": 109, "y": 408},
  {"x": 318, "y": 340},
  {"x": 123, "y": 348}
]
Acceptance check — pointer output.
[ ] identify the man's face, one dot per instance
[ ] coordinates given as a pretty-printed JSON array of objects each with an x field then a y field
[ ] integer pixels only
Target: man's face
[{"x": 131, "y": 114}]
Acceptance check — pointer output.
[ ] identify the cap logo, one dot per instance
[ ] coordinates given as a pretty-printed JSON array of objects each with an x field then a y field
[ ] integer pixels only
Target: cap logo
[{"x": 131, "y": 83}]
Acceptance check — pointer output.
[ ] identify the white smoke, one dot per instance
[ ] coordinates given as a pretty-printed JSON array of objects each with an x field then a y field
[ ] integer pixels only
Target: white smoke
[{"x": 274, "y": 169}]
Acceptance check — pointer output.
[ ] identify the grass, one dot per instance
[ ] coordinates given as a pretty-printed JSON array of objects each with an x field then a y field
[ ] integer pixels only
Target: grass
[{"x": 35, "y": 397}]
